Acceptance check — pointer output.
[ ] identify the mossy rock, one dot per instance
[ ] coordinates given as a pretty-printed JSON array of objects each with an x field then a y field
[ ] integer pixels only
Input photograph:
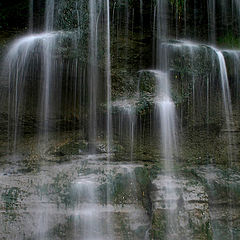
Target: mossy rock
[{"x": 69, "y": 148}]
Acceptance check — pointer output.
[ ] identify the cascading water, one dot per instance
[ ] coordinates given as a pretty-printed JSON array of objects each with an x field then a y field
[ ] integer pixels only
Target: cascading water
[
  {"x": 161, "y": 29},
  {"x": 234, "y": 56},
  {"x": 48, "y": 52},
  {"x": 166, "y": 117},
  {"x": 221, "y": 9},
  {"x": 87, "y": 222},
  {"x": 126, "y": 121},
  {"x": 225, "y": 89},
  {"x": 48, "y": 47},
  {"x": 74, "y": 114},
  {"x": 227, "y": 102},
  {"x": 216, "y": 55},
  {"x": 18, "y": 67},
  {"x": 41, "y": 50},
  {"x": 108, "y": 79},
  {"x": 165, "y": 108},
  {"x": 93, "y": 73},
  {"x": 166, "y": 120},
  {"x": 49, "y": 15}
]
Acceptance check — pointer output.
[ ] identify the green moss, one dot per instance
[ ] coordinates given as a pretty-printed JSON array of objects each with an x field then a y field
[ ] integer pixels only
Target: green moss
[
  {"x": 12, "y": 198},
  {"x": 60, "y": 191},
  {"x": 119, "y": 189},
  {"x": 143, "y": 178},
  {"x": 69, "y": 148},
  {"x": 159, "y": 226}
]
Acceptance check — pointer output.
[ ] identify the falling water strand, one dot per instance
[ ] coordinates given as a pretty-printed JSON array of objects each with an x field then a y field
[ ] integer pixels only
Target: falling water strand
[
  {"x": 141, "y": 16},
  {"x": 109, "y": 103},
  {"x": 93, "y": 75},
  {"x": 162, "y": 29},
  {"x": 18, "y": 66},
  {"x": 229, "y": 124},
  {"x": 236, "y": 7},
  {"x": 141, "y": 22},
  {"x": 108, "y": 76},
  {"x": 212, "y": 21},
  {"x": 234, "y": 56},
  {"x": 132, "y": 126},
  {"x": 167, "y": 113},
  {"x": 48, "y": 76},
  {"x": 185, "y": 18},
  {"x": 126, "y": 13},
  {"x": 127, "y": 122},
  {"x": 48, "y": 48},
  {"x": 166, "y": 116},
  {"x": 49, "y": 15},
  {"x": 195, "y": 18},
  {"x": 226, "y": 101},
  {"x": 87, "y": 221},
  {"x": 30, "y": 21}
]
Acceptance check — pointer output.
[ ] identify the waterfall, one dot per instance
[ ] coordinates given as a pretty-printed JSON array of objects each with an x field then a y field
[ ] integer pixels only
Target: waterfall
[
  {"x": 234, "y": 56},
  {"x": 166, "y": 121},
  {"x": 109, "y": 101},
  {"x": 126, "y": 123},
  {"x": 226, "y": 101},
  {"x": 49, "y": 15},
  {"x": 18, "y": 67},
  {"x": 48, "y": 51},
  {"x": 161, "y": 29},
  {"x": 100, "y": 144},
  {"x": 165, "y": 118},
  {"x": 108, "y": 80},
  {"x": 38, "y": 57},
  {"x": 221, "y": 10},
  {"x": 166, "y": 115},
  {"x": 184, "y": 47},
  {"x": 42, "y": 53},
  {"x": 93, "y": 73},
  {"x": 87, "y": 222}
]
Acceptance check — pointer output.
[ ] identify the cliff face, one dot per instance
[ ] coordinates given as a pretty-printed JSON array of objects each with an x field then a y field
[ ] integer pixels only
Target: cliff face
[{"x": 56, "y": 177}]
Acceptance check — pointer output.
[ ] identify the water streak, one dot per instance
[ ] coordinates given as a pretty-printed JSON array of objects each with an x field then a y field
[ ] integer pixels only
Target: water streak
[
  {"x": 166, "y": 116},
  {"x": 227, "y": 102},
  {"x": 93, "y": 74},
  {"x": 108, "y": 80},
  {"x": 127, "y": 122},
  {"x": 30, "y": 19}
]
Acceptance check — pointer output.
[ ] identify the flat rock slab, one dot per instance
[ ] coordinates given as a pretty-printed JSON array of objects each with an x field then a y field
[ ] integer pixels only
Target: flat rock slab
[{"x": 180, "y": 209}]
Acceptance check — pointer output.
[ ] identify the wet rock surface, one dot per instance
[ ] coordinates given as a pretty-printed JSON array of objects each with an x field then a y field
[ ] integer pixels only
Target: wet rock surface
[
  {"x": 223, "y": 186},
  {"x": 47, "y": 195},
  {"x": 180, "y": 209},
  {"x": 81, "y": 199}
]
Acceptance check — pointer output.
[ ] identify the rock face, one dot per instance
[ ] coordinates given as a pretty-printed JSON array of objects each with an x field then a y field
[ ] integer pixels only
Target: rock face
[
  {"x": 223, "y": 189},
  {"x": 187, "y": 203},
  {"x": 64, "y": 193},
  {"x": 65, "y": 196},
  {"x": 63, "y": 201}
]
